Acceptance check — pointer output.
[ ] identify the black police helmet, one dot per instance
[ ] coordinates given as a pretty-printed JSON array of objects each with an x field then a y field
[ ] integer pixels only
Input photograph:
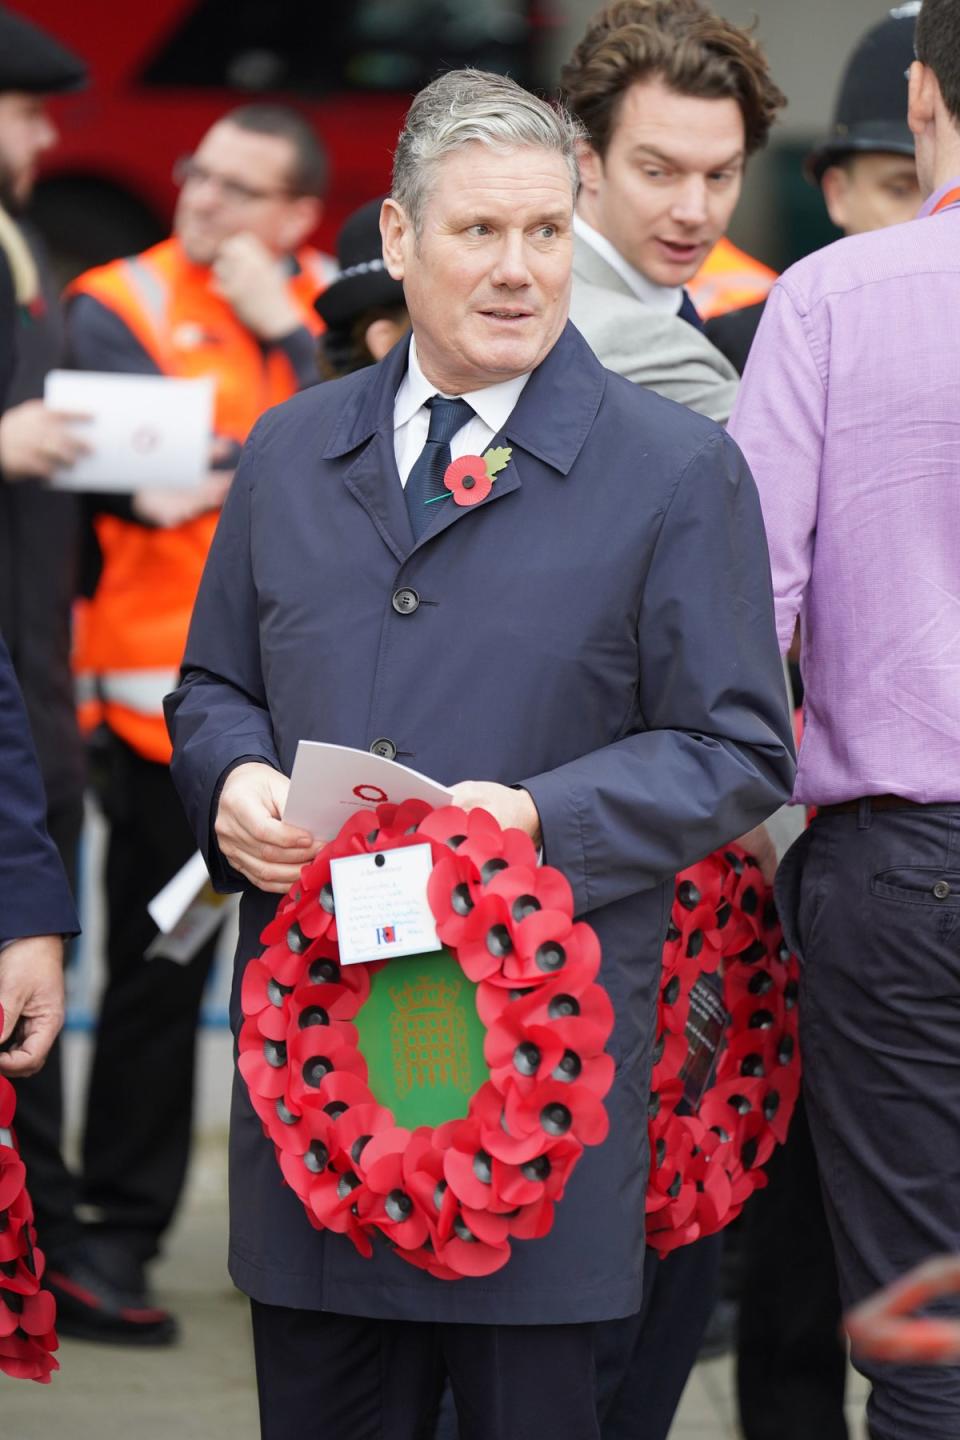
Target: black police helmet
[
  {"x": 871, "y": 109},
  {"x": 363, "y": 282}
]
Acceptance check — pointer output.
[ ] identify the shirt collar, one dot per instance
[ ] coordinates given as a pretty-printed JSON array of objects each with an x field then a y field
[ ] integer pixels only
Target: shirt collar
[
  {"x": 494, "y": 403},
  {"x": 932, "y": 201},
  {"x": 666, "y": 298}
]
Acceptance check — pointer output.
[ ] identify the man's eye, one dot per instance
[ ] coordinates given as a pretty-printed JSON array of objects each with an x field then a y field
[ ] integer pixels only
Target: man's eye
[
  {"x": 547, "y": 232},
  {"x": 478, "y": 230},
  {"x": 722, "y": 177},
  {"x": 653, "y": 172}
]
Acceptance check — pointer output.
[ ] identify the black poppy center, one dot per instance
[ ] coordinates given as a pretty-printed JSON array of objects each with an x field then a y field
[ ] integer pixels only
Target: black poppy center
[
  {"x": 498, "y": 941},
  {"x": 399, "y": 1206},
  {"x": 275, "y": 1053},
  {"x": 313, "y": 1015},
  {"x": 551, "y": 956},
  {"x": 524, "y": 906},
  {"x": 315, "y": 1070},
  {"x": 483, "y": 1167},
  {"x": 296, "y": 940},
  {"x": 569, "y": 1068},
  {"x": 324, "y": 972},
  {"x": 317, "y": 1157},
  {"x": 555, "y": 1119},
  {"x": 526, "y": 1058},
  {"x": 357, "y": 1148},
  {"x": 536, "y": 1169},
  {"x": 461, "y": 901},
  {"x": 563, "y": 1006}
]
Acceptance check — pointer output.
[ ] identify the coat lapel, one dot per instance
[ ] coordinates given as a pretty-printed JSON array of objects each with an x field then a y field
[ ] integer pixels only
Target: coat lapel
[{"x": 551, "y": 421}]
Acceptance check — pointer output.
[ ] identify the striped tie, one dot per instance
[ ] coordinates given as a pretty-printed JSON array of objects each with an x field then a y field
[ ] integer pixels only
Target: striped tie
[{"x": 425, "y": 481}]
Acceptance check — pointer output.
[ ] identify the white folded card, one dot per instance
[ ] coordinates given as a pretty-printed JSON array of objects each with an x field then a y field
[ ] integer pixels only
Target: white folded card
[
  {"x": 330, "y": 782},
  {"x": 381, "y": 904},
  {"x": 144, "y": 431},
  {"x": 187, "y": 911}
]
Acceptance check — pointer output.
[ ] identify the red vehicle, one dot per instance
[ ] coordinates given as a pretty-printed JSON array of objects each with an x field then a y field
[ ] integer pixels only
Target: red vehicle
[{"x": 165, "y": 70}]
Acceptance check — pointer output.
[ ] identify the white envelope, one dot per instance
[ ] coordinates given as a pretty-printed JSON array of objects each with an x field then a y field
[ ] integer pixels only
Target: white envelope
[
  {"x": 144, "y": 431},
  {"x": 331, "y": 782}
]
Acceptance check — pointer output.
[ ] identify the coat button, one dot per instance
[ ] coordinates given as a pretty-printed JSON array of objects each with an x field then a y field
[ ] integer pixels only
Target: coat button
[
  {"x": 405, "y": 601},
  {"x": 941, "y": 890},
  {"x": 384, "y": 748}
]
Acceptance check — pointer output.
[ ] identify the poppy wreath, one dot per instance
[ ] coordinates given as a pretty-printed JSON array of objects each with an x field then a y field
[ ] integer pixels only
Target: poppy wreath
[
  {"x": 707, "y": 1157},
  {"x": 449, "y": 1198},
  {"x": 27, "y": 1311}
]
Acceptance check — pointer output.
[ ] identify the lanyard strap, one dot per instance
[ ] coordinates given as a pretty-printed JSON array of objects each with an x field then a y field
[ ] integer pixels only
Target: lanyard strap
[{"x": 951, "y": 198}]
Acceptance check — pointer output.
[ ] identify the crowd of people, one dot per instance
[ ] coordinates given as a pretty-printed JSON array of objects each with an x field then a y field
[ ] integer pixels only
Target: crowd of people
[{"x": 726, "y": 511}]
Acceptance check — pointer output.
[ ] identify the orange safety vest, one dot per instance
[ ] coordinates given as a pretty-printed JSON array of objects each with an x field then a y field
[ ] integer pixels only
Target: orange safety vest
[
  {"x": 129, "y": 638},
  {"x": 729, "y": 279}
]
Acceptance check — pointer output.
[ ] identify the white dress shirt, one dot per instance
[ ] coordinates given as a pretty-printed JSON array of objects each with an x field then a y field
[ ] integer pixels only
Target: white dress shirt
[
  {"x": 492, "y": 408},
  {"x": 667, "y": 298}
]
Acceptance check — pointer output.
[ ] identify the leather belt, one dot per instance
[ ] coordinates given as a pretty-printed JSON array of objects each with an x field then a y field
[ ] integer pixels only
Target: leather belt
[{"x": 878, "y": 802}]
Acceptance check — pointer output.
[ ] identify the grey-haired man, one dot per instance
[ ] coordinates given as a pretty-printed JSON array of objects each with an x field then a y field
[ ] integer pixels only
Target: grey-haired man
[{"x": 568, "y": 642}]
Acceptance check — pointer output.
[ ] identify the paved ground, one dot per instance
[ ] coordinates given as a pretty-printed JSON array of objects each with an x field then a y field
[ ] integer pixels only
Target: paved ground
[{"x": 203, "y": 1390}]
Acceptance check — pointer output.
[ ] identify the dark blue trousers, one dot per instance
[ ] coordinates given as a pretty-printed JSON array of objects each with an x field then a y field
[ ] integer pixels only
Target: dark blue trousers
[
  {"x": 643, "y": 1361},
  {"x": 336, "y": 1377},
  {"x": 870, "y": 901}
]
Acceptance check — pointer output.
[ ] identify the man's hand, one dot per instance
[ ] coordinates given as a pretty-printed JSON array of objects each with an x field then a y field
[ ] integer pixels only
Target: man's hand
[
  {"x": 166, "y": 508},
  {"x": 252, "y": 282},
  {"x": 251, "y": 834},
  {"x": 35, "y": 441},
  {"x": 759, "y": 844},
  {"x": 512, "y": 809},
  {"x": 32, "y": 1001}
]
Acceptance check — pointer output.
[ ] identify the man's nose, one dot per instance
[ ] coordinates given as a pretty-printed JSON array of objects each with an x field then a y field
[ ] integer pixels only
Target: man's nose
[
  {"x": 690, "y": 201},
  {"x": 511, "y": 268}
]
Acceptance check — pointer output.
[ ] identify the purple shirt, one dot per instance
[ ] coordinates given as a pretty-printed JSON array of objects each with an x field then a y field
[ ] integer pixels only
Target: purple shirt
[{"x": 849, "y": 417}]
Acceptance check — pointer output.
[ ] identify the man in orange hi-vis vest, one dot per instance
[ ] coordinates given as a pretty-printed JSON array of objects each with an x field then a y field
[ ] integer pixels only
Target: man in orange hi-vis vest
[
  {"x": 229, "y": 295},
  {"x": 729, "y": 279}
]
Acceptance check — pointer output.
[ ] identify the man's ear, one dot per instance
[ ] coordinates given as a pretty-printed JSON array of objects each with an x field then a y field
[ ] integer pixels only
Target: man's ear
[
  {"x": 396, "y": 233},
  {"x": 923, "y": 92},
  {"x": 591, "y": 167},
  {"x": 835, "y": 186},
  {"x": 381, "y": 335},
  {"x": 301, "y": 219}
]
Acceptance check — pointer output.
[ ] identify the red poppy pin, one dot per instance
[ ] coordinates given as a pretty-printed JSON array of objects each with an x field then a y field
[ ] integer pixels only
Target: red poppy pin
[{"x": 470, "y": 478}]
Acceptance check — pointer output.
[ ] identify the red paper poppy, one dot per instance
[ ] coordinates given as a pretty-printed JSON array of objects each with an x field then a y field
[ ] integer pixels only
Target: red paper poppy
[
  {"x": 467, "y": 480},
  {"x": 27, "y": 1311}
]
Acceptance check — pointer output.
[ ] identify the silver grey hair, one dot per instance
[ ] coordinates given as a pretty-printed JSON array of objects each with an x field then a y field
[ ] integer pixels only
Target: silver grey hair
[{"x": 472, "y": 105}]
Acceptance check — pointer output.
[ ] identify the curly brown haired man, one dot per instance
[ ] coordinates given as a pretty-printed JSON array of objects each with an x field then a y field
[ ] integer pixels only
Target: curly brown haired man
[{"x": 674, "y": 99}]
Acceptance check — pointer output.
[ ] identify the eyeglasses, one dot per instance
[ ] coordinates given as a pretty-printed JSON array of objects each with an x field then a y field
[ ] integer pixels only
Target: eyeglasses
[{"x": 188, "y": 171}]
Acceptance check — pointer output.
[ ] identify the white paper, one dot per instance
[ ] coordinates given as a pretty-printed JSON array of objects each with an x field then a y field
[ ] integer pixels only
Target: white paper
[
  {"x": 198, "y": 923},
  {"x": 381, "y": 904},
  {"x": 144, "y": 431},
  {"x": 330, "y": 782},
  {"x": 187, "y": 911},
  {"x": 170, "y": 904}
]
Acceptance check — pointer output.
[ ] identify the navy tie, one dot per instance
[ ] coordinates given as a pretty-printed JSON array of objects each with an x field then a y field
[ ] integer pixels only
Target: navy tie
[
  {"x": 689, "y": 312},
  {"x": 425, "y": 481}
]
